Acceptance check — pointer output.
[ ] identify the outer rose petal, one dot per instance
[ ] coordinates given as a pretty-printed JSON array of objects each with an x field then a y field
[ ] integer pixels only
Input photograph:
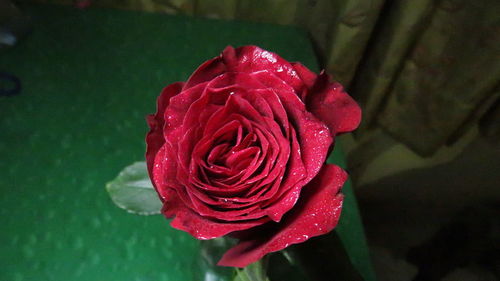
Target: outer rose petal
[
  {"x": 247, "y": 59},
  {"x": 251, "y": 59},
  {"x": 154, "y": 139},
  {"x": 196, "y": 225},
  {"x": 307, "y": 76},
  {"x": 330, "y": 103},
  {"x": 206, "y": 72},
  {"x": 316, "y": 213}
]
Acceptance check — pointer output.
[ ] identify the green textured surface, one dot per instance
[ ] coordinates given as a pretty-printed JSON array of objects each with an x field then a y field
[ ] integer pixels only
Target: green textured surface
[{"x": 89, "y": 78}]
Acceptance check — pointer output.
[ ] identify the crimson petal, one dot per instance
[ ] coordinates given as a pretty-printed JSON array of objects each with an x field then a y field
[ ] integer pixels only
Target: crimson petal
[
  {"x": 316, "y": 213},
  {"x": 330, "y": 103},
  {"x": 198, "y": 226},
  {"x": 307, "y": 76},
  {"x": 154, "y": 138}
]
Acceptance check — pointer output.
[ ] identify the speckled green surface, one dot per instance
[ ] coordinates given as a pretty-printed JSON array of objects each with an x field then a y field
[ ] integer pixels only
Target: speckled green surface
[{"x": 89, "y": 78}]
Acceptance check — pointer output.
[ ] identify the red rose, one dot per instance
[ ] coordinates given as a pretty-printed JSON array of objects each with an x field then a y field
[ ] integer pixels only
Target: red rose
[{"x": 240, "y": 149}]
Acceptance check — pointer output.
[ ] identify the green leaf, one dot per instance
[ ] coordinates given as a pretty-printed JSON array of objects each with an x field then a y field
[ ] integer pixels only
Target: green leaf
[
  {"x": 350, "y": 228},
  {"x": 132, "y": 190}
]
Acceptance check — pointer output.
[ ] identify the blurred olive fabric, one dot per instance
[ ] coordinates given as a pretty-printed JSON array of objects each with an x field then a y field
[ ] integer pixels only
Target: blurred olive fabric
[{"x": 424, "y": 71}]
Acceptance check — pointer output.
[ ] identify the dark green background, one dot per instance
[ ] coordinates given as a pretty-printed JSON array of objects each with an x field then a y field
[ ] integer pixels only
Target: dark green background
[{"x": 89, "y": 78}]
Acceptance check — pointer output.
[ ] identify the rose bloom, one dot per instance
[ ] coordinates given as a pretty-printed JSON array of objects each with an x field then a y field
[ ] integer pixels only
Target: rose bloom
[{"x": 239, "y": 149}]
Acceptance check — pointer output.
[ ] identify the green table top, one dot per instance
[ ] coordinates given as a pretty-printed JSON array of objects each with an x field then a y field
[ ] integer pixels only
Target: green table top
[{"x": 89, "y": 78}]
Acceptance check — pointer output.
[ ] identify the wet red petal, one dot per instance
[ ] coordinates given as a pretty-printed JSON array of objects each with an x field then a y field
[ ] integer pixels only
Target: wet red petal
[
  {"x": 198, "y": 226},
  {"x": 206, "y": 72},
  {"x": 307, "y": 76},
  {"x": 316, "y": 213},
  {"x": 251, "y": 59},
  {"x": 330, "y": 103},
  {"x": 154, "y": 138}
]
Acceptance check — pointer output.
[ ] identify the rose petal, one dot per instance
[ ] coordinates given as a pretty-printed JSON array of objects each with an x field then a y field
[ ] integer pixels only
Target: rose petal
[
  {"x": 248, "y": 59},
  {"x": 154, "y": 138},
  {"x": 330, "y": 103},
  {"x": 196, "y": 225},
  {"x": 307, "y": 76},
  {"x": 176, "y": 112},
  {"x": 276, "y": 106},
  {"x": 314, "y": 139},
  {"x": 251, "y": 59},
  {"x": 313, "y": 135},
  {"x": 316, "y": 213},
  {"x": 260, "y": 95},
  {"x": 294, "y": 180},
  {"x": 236, "y": 103},
  {"x": 235, "y": 215},
  {"x": 206, "y": 72},
  {"x": 164, "y": 172}
]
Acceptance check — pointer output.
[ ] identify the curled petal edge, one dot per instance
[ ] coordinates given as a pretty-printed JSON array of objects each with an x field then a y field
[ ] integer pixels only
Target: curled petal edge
[
  {"x": 332, "y": 105},
  {"x": 154, "y": 138},
  {"x": 316, "y": 213}
]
